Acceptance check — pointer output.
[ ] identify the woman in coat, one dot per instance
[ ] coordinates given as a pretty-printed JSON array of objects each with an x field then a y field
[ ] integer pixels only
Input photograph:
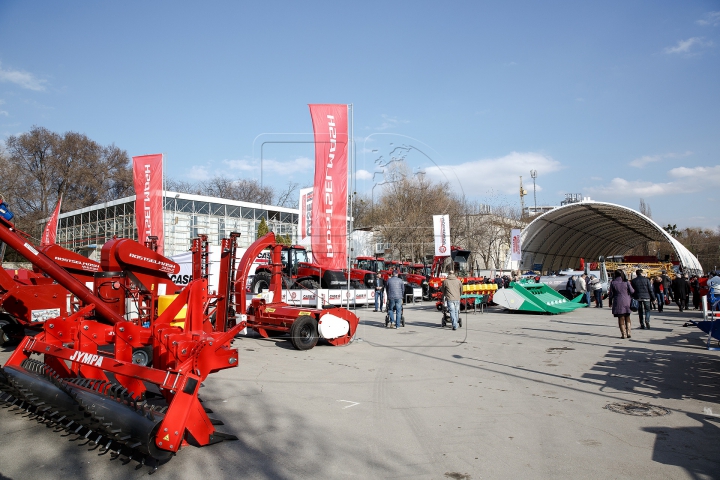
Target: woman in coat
[{"x": 620, "y": 293}]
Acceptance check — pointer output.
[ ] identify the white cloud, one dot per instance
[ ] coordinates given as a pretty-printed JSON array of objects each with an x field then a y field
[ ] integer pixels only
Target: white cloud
[
  {"x": 363, "y": 175},
  {"x": 198, "y": 172},
  {"x": 243, "y": 165},
  {"x": 711, "y": 19},
  {"x": 23, "y": 79},
  {"x": 644, "y": 160},
  {"x": 684, "y": 46},
  {"x": 683, "y": 180},
  {"x": 502, "y": 174},
  {"x": 269, "y": 165}
]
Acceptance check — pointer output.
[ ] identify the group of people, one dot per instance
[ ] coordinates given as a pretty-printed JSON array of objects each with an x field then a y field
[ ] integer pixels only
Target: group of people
[
  {"x": 651, "y": 294},
  {"x": 394, "y": 288},
  {"x": 589, "y": 286}
]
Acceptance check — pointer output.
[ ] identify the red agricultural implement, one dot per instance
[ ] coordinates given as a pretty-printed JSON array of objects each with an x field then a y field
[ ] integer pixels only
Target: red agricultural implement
[
  {"x": 78, "y": 372},
  {"x": 270, "y": 317},
  {"x": 123, "y": 364}
]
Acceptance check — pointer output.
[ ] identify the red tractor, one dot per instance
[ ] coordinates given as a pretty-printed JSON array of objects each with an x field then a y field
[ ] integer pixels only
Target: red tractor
[
  {"x": 458, "y": 262},
  {"x": 298, "y": 272}
]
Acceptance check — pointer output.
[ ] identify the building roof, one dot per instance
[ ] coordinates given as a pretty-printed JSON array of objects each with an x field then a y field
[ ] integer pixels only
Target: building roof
[
  {"x": 588, "y": 229},
  {"x": 184, "y": 196}
]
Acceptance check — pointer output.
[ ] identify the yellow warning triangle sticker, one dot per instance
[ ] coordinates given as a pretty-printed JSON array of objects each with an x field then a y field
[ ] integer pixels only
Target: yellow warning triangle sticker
[{"x": 166, "y": 437}]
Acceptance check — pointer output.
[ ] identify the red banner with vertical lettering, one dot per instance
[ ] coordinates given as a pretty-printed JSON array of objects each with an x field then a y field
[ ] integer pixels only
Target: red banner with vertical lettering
[
  {"x": 147, "y": 177},
  {"x": 329, "y": 206},
  {"x": 50, "y": 233}
]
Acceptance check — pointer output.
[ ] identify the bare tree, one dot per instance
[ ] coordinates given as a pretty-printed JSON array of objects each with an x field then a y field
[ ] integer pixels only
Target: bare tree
[
  {"x": 39, "y": 166},
  {"x": 289, "y": 196},
  {"x": 242, "y": 189}
]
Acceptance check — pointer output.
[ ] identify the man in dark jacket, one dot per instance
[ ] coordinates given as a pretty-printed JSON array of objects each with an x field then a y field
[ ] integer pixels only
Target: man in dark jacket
[
  {"x": 680, "y": 290},
  {"x": 379, "y": 288},
  {"x": 570, "y": 287},
  {"x": 643, "y": 294}
]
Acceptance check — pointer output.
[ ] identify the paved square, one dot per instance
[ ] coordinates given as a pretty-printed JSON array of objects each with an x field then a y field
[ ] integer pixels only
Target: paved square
[{"x": 506, "y": 396}]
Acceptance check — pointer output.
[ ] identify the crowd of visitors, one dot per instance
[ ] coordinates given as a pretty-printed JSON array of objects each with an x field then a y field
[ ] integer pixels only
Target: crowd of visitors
[{"x": 639, "y": 294}]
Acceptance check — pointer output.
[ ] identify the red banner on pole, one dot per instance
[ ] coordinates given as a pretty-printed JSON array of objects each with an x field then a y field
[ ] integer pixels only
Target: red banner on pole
[
  {"x": 50, "y": 233},
  {"x": 329, "y": 206},
  {"x": 147, "y": 177}
]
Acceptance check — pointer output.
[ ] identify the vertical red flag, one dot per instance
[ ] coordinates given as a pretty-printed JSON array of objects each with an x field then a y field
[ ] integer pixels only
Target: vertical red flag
[
  {"x": 329, "y": 207},
  {"x": 147, "y": 177},
  {"x": 50, "y": 233}
]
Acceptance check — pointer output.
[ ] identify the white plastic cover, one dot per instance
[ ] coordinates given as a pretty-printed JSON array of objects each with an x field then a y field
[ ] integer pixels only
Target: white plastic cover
[{"x": 331, "y": 326}]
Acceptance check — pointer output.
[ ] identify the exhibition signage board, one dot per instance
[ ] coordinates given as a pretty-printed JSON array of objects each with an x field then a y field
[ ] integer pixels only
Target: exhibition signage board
[
  {"x": 50, "y": 233},
  {"x": 148, "y": 178},
  {"x": 515, "y": 245},
  {"x": 441, "y": 232},
  {"x": 329, "y": 203}
]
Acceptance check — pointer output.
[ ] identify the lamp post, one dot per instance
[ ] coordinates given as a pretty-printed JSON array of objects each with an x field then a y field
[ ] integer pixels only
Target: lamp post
[{"x": 533, "y": 174}]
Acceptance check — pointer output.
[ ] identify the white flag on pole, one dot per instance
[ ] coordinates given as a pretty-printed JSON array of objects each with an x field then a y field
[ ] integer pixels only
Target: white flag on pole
[
  {"x": 515, "y": 246},
  {"x": 441, "y": 224}
]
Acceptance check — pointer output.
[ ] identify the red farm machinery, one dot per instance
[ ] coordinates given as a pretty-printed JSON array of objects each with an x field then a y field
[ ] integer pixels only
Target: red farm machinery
[{"x": 119, "y": 352}]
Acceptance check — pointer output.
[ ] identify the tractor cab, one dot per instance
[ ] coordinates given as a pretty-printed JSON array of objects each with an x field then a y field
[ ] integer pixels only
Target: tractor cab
[
  {"x": 370, "y": 264},
  {"x": 292, "y": 257}
]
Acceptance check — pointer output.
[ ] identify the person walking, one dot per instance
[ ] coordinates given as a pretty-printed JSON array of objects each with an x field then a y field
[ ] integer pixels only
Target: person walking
[
  {"x": 451, "y": 290},
  {"x": 695, "y": 287},
  {"x": 395, "y": 289},
  {"x": 582, "y": 288},
  {"x": 620, "y": 293},
  {"x": 644, "y": 295},
  {"x": 379, "y": 284},
  {"x": 680, "y": 290},
  {"x": 659, "y": 291},
  {"x": 667, "y": 287},
  {"x": 596, "y": 287}
]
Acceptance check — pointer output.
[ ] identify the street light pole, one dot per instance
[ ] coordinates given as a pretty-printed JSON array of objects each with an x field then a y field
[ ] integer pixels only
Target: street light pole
[{"x": 533, "y": 174}]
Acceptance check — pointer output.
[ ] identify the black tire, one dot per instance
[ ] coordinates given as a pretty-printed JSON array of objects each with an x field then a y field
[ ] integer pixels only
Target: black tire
[
  {"x": 309, "y": 283},
  {"x": 459, "y": 322},
  {"x": 4, "y": 338},
  {"x": 261, "y": 281},
  {"x": 387, "y": 320},
  {"x": 443, "y": 322},
  {"x": 303, "y": 333},
  {"x": 402, "y": 320}
]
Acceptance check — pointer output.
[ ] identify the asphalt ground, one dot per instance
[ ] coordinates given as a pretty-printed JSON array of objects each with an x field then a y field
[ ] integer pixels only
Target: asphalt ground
[{"x": 506, "y": 396}]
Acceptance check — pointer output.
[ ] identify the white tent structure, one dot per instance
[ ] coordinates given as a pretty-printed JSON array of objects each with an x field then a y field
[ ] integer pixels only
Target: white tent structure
[{"x": 559, "y": 238}]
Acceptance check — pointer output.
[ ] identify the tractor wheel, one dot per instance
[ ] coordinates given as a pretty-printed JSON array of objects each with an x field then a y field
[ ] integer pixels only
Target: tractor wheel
[
  {"x": 309, "y": 283},
  {"x": 402, "y": 320},
  {"x": 443, "y": 322},
  {"x": 303, "y": 333},
  {"x": 459, "y": 321},
  {"x": 4, "y": 339},
  {"x": 260, "y": 282},
  {"x": 7, "y": 324}
]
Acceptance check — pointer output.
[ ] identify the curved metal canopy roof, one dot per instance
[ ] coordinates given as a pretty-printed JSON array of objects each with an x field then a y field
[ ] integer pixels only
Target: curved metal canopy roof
[{"x": 588, "y": 229}]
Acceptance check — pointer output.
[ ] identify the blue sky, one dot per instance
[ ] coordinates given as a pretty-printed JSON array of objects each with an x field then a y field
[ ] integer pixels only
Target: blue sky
[{"x": 615, "y": 100}]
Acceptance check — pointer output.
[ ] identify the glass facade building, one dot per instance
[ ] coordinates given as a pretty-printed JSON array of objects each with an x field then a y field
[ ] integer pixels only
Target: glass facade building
[{"x": 186, "y": 216}]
